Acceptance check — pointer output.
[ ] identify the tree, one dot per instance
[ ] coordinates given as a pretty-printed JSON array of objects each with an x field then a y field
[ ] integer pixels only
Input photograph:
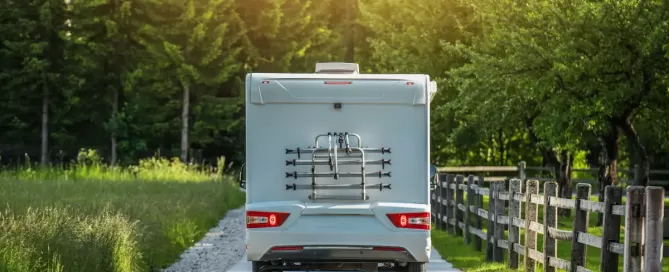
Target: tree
[
  {"x": 39, "y": 43},
  {"x": 289, "y": 36},
  {"x": 107, "y": 32},
  {"x": 406, "y": 38},
  {"x": 201, "y": 42},
  {"x": 576, "y": 61}
]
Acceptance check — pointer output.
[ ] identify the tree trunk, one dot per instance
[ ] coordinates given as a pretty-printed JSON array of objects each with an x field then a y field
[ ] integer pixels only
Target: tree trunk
[
  {"x": 608, "y": 172},
  {"x": 115, "y": 106},
  {"x": 114, "y": 157},
  {"x": 507, "y": 143},
  {"x": 630, "y": 133},
  {"x": 500, "y": 146},
  {"x": 491, "y": 151},
  {"x": 565, "y": 180},
  {"x": 594, "y": 154},
  {"x": 184, "y": 128},
  {"x": 44, "y": 154},
  {"x": 553, "y": 162},
  {"x": 549, "y": 157},
  {"x": 350, "y": 43}
]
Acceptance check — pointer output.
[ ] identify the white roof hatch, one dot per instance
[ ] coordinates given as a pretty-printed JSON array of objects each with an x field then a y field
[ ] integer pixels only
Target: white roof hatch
[{"x": 337, "y": 68}]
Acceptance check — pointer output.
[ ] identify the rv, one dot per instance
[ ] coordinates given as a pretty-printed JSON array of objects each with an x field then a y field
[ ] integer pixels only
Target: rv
[{"x": 337, "y": 172}]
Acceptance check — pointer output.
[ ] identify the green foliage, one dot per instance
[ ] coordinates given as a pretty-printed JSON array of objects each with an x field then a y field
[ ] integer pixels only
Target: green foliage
[
  {"x": 91, "y": 217},
  {"x": 569, "y": 66},
  {"x": 409, "y": 39},
  {"x": 89, "y": 166},
  {"x": 516, "y": 79},
  {"x": 118, "y": 67},
  {"x": 199, "y": 41},
  {"x": 546, "y": 75},
  {"x": 554, "y": 71}
]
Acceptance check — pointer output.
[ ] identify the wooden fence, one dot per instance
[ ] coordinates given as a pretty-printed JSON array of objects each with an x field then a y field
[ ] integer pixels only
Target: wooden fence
[
  {"x": 659, "y": 177},
  {"x": 642, "y": 215}
]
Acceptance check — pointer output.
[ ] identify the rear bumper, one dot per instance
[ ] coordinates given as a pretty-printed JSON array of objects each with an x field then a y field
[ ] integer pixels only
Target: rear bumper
[
  {"x": 344, "y": 232},
  {"x": 338, "y": 254},
  {"x": 342, "y": 247}
]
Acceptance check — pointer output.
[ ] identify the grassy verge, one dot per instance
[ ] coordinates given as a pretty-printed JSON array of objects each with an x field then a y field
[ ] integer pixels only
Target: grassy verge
[
  {"x": 466, "y": 258},
  {"x": 93, "y": 218}
]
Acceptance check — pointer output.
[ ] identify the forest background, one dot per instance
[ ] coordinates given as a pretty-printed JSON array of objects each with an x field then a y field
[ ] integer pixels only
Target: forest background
[{"x": 567, "y": 84}]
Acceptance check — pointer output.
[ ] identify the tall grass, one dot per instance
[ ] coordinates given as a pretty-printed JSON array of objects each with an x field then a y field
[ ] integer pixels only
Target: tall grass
[
  {"x": 91, "y": 217},
  {"x": 88, "y": 166}
]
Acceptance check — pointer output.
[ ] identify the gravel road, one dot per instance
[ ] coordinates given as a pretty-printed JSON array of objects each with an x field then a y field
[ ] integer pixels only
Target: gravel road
[{"x": 221, "y": 248}]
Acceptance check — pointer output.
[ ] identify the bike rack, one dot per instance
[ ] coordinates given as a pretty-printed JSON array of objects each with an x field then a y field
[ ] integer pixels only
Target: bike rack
[{"x": 330, "y": 156}]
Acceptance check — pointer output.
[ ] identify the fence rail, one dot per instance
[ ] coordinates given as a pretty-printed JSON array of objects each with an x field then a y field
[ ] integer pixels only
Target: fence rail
[
  {"x": 521, "y": 170},
  {"x": 642, "y": 215}
]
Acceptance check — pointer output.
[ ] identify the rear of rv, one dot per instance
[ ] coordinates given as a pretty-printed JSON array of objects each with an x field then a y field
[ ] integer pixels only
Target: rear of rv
[{"x": 337, "y": 167}]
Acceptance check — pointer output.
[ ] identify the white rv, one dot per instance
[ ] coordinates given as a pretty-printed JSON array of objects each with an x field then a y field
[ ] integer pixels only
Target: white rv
[{"x": 337, "y": 170}]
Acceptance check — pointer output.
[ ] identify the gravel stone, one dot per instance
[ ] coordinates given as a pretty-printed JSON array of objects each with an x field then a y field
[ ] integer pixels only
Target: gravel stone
[{"x": 221, "y": 248}]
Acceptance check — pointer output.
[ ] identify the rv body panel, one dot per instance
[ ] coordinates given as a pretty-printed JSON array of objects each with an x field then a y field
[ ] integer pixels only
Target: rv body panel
[{"x": 286, "y": 112}]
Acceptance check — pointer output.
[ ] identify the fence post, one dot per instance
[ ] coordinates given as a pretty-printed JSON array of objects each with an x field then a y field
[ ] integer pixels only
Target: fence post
[
  {"x": 634, "y": 229},
  {"x": 459, "y": 200},
  {"x": 490, "y": 243},
  {"x": 433, "y": 211},
  {"x": 515, "y": 187},
  {"x": 613, "y": 195},
  {"x": 450, "y": 198},
  {"x": 581, "y": 218},
  {"x": 443, "y": 188},
  {"x": 550, "y": 221},
  {"x": 498, "y": 253},
  {"x": 654, "y": 228},
  {"x": 436, "y": 206},
  {"x": 470, "y": 202},
  {"x": 478, "y": 243},
  {"x": 531, "y": 211},
  {"x": 521, "y": 171}
]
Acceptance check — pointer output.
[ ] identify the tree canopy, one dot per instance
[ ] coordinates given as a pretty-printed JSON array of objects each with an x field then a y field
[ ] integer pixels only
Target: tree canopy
[{"x": 548, "y": 82}]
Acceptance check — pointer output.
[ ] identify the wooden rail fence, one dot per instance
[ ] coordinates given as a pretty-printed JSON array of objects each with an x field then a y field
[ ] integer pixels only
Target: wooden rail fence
[
  {"x": 546, "y": 173},
  {"x": 642, "y": 215}
]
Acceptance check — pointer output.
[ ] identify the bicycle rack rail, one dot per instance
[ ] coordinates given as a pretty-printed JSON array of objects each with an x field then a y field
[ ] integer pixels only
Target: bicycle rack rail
[{"x": 330, "y": 156}]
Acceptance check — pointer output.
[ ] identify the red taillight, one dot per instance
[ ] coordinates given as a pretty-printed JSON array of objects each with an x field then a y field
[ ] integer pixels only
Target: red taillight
[
  {"x": 257, "y": 219},
  {"x": 338, "y": 82},
  {"x": 287, "y": 248},
  {"x": 419, "y": 220},
  {"x": 409, "y": 83},
  {"x": 265, "y": 82}
]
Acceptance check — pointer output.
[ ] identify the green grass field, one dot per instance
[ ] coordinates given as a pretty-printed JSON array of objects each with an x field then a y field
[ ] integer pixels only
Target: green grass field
[
  {"x": 93, "y": 218},
  {"x": 465, "y": 257}
]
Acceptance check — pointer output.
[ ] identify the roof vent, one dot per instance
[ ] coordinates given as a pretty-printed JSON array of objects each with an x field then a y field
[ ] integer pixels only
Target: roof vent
[{"x": 337, "y": 68}]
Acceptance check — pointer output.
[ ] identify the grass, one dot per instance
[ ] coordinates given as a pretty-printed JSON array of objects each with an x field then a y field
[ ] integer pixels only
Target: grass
[
  {"x": 465, "y": 257},
  {"x": 90, "y": 217}
]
